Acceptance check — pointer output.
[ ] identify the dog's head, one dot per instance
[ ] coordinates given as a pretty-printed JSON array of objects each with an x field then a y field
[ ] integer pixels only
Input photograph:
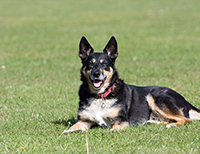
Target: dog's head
[{"x": 98, "y": 69}]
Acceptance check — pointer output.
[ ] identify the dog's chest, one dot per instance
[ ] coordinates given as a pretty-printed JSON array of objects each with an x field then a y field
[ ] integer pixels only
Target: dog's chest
[
  {"x": 100, "y": 111},
  {"x": 101, "y": 105}
]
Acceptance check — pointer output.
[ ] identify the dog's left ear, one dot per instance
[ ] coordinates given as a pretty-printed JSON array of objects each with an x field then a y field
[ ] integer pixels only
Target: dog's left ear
[{"x": 111, "y": 49}]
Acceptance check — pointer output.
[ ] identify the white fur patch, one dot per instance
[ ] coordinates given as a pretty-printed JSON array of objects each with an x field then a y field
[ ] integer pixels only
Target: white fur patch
[
  {"x": 194, "y": 115},
  {"x": 100, "y": 110}
]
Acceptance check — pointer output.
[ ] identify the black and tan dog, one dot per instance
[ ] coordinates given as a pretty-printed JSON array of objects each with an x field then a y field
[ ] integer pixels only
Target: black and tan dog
[{"x": 107, "y": 101}]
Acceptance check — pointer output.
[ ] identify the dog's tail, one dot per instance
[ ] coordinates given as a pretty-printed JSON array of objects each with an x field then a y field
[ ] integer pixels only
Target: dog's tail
[{"x": 194, "y": 113}]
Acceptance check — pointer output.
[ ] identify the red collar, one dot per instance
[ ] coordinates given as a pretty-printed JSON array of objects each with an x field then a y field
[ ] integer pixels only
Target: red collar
[{"x": 104, "y": 95}]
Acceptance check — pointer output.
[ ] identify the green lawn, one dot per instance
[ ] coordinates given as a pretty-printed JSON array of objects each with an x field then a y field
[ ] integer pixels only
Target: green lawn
[{"x": 40, "y": 70}]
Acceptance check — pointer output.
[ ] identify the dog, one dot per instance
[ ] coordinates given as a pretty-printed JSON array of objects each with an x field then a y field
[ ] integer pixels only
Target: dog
[{"x": 107, "y": 101}]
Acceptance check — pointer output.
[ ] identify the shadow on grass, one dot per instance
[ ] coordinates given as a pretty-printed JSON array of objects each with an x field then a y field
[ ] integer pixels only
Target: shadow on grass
[{"x": 66, "y": 123}]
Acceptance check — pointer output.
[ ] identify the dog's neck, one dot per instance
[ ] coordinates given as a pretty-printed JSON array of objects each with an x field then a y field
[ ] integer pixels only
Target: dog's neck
[{"x": 105, "y": 94}]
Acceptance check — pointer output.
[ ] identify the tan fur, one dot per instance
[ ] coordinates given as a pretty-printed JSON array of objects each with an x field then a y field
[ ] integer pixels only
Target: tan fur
[
  {"x": 86, "y": 74},
  {"x": 109, "y": 76},
  {"x": 166, "y": 113},
  {"x": 80, "y": 125},
  {"x": 101, "y": 60},
  {"x": 93, "y": 60},
  {"x": 122, "y": 125}
]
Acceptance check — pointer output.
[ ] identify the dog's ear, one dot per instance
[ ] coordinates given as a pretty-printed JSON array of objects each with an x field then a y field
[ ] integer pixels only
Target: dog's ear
[
  {"x": 85, "y": 49},
  {"x": 111, "y": 48}
]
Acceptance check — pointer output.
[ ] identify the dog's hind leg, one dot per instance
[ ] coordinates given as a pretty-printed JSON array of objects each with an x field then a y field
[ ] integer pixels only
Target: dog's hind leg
[
  {"x": 167, "y": 113},
  {"x": 180, "y": 120}
]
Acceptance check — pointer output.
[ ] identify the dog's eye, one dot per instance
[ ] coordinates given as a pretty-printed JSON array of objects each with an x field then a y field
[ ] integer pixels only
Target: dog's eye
[
  {"x": 104, "y": 64},
  {"x": 91, "y": 63}
]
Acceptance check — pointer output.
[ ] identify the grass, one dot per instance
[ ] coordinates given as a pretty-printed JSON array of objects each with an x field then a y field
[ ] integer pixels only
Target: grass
[{"x": 39, "y": 70}]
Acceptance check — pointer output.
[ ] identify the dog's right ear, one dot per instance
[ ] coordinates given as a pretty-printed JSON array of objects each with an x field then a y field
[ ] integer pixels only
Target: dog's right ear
[{"x": 85, "y": 49}]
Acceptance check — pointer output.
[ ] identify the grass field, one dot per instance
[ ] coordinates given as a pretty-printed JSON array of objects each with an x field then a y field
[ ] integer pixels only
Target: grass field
[{"x": 39, "y": 70}]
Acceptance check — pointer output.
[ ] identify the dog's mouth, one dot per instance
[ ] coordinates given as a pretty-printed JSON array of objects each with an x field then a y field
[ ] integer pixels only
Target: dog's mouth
[{"x": 97, "y": 82}]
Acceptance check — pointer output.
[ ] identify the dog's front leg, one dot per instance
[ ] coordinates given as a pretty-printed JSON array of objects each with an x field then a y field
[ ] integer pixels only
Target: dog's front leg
[
  {"x": 79, "y": 126},
  {"x": 119, "y": 126}
]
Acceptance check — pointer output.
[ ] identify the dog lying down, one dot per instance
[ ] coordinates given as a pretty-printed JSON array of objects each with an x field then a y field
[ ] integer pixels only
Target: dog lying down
[{"x": 109, "y": 102}]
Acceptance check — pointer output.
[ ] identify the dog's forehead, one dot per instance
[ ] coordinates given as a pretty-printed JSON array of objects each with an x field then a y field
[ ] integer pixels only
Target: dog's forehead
[{"x": 98, "y": 57}]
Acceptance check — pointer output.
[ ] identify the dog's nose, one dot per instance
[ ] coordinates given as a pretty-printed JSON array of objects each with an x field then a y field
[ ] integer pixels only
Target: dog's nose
[{"x": 96, "y": 73}]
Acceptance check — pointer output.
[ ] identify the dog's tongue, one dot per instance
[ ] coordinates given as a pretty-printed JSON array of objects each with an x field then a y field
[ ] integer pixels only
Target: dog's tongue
[{"x": 97, "y": 83}]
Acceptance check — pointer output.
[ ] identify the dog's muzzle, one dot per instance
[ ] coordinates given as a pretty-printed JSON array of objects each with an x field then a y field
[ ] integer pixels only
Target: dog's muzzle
[{"x": 97, "y": 78}]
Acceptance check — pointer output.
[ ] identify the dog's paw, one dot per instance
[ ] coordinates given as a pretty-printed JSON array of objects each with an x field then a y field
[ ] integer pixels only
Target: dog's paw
[
  {"x": 66, "y": 132},
  {"x": 170, "y": 125},
  {"x": 147, "y": 122},
  {"x": 114, "y": 129},
  {"x": 120, "y": 126},
  {"x": 77, "y": 127},
  {"x": 70, "y": 131}
]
